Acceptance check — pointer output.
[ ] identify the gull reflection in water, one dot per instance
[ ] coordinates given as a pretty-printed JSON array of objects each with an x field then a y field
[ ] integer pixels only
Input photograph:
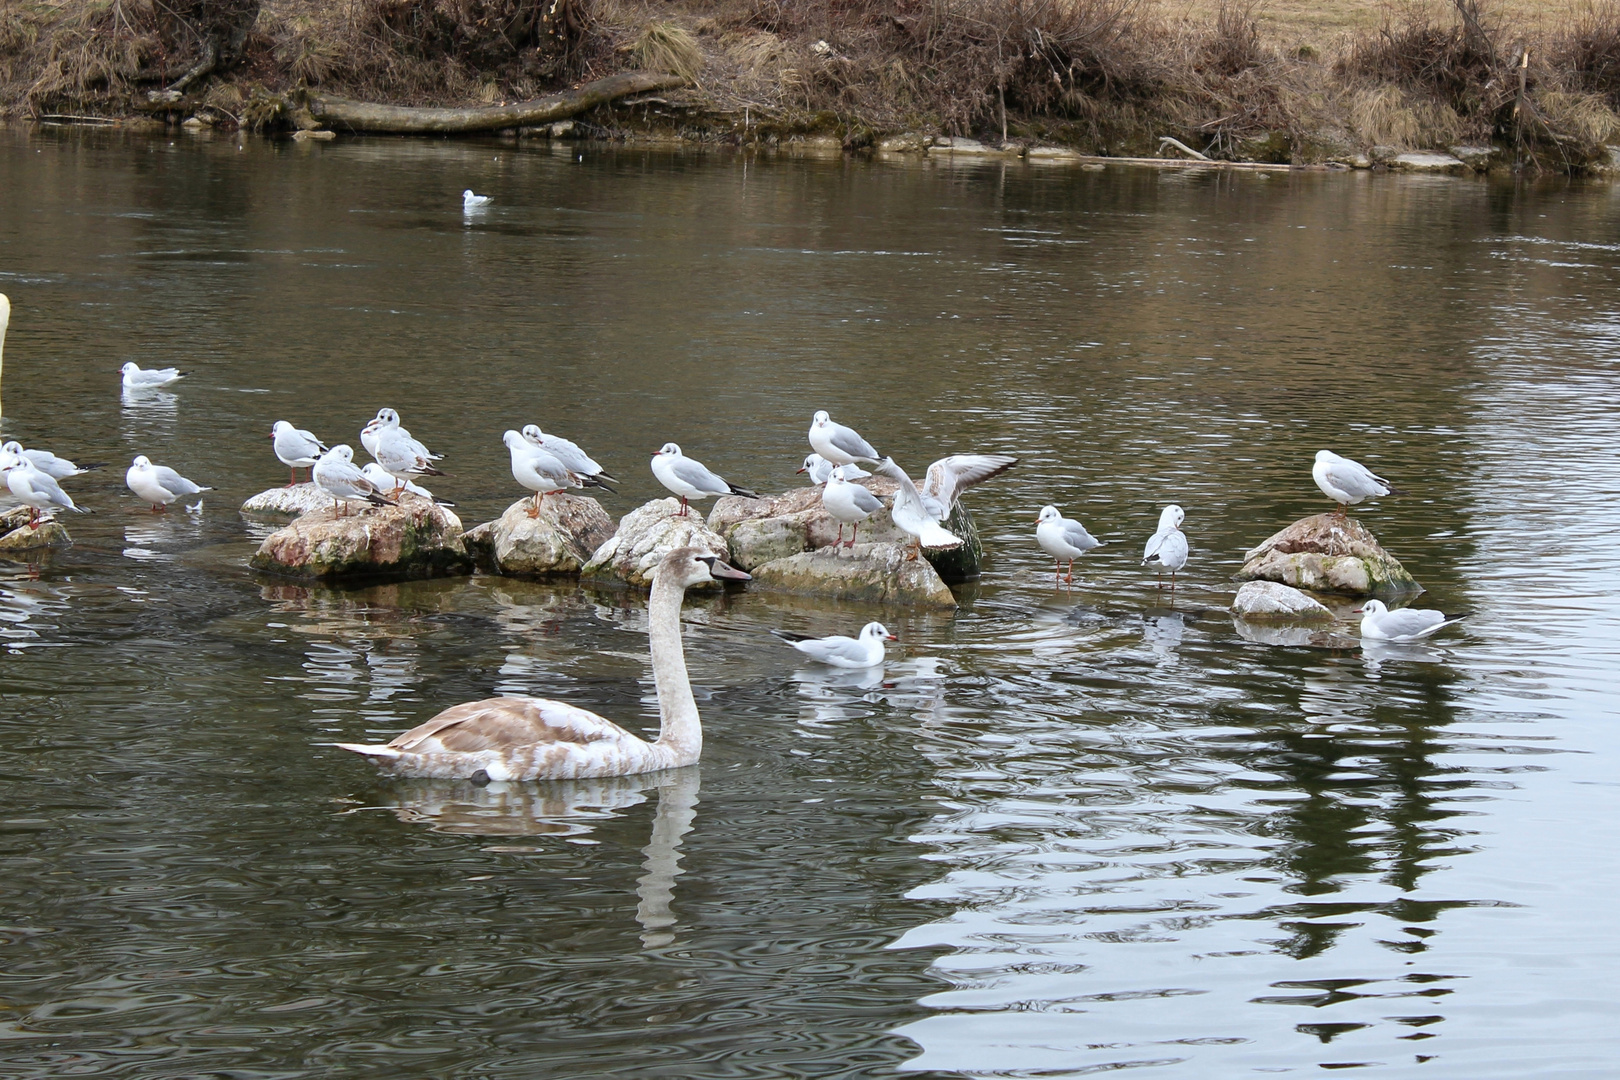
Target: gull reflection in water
[
  {"x": 568, "y": 808},
  {"x": 1376, "y": 653}
]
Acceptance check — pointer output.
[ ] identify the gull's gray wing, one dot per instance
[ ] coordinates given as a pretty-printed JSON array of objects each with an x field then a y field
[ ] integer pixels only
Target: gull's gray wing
[
  {"x": 309, "y": 437},
  {"x": 950, "y": 476},
  {"x": 850, "y": 442},
  {"x": 833, "y": 648},
  {"x": 694, "y": 472},
  {"x": 46, "y": 484},
  {"x": 571, "y": 455},
  {"x": 864, "y": 500},
  {"x": 1409, "y": 621},
  {"x": 1075, "y": 535},
  {"x": 172, "y": 481},
  {"x": 1356, "y": 479},
  {"x": 1155, "y": 542}
]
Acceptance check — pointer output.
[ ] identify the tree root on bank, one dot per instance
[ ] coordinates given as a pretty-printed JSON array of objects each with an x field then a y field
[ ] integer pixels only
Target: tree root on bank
[{"x": 401, "y": 120}]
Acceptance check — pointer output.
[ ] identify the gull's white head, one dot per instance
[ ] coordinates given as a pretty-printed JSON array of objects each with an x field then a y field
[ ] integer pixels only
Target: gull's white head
[
  {"x": 1171, "y": 517},
  {"x": 877, "y": 630},
  {"x": 141, "y": 462},
  {"x": 130, "y": 368},
  {"x": 1325, "y": 456},
  {"x": 386, "y": 416},
  {"x": 669, "y": 449},
  {"x": 278, "y": 427},
  {"x": 12, "y": 446},
  {"x": 810, "y": 463},
  {"x": 837, "y": 476},
  {"x": 533, "y": 433},
  {"x": 342, "y": 452},
  {"x": 1049, "y": 513},
  {"x": 467, "y": 193},
  {"x": 821, "y": 418},
  {"x": 513, "y": 440},
  {"x": 1371, "y": 607}
]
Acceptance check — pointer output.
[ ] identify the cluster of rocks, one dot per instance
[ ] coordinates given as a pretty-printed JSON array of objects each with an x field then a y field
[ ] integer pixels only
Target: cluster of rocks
[{"x": 20, "y": 541}]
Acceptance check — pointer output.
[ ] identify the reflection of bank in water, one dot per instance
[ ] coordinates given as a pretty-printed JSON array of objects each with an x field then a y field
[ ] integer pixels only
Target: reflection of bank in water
[{"x": 567, "y": 808}]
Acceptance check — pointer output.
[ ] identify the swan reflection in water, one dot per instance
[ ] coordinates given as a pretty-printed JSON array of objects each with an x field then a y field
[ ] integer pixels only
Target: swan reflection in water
[{"x": 567, "y": 809}]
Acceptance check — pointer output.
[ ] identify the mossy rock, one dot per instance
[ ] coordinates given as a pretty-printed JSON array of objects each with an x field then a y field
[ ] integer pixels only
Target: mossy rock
[{"x": 415, "y": 539}]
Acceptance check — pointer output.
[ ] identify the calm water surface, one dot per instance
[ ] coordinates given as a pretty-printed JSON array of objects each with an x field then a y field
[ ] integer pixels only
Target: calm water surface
[{"x": 1064, "y": 832}]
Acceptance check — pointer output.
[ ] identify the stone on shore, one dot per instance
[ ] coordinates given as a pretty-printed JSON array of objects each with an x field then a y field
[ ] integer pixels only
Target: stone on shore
[
  {"x": 560, "y": 541},
  {"x": 869, "y": 573},
  {"x": 1426, "y": 161},
  {"x": 645, "y": 535},
  {"x": 415, "y": 539},
  {"x": 1267, "y": 600},
  {"x": 1328, "y": 554},
  {"x": 16, "y": 537},
  {"x": 758, "y": 531},
  {"x": 292, "y": 501}
]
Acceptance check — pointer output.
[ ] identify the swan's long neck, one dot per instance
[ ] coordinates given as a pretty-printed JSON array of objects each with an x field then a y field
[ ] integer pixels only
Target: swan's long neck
[{"x": 679, "y": 730}]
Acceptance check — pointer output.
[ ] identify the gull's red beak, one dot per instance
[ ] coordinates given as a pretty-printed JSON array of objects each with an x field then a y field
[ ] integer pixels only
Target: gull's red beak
[
  {"x": 894, "y": 637},
  {"x": 1357, "y": 611}
]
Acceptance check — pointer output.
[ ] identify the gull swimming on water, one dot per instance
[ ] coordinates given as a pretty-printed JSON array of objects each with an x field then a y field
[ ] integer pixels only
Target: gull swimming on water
[
  {"x": 1167, "y": 548},
  {"x": 514, "y": 738},
  {"x": 839, "y": 444},
  {"x": 1063, "y": 538},
  {"x": 849, "y": 503},
  {"x": 335, "y": 473},
  {"x": 34, "y": 489},
  {"x": 159, "y": 485},
  {"x": 689, "y": 478},
  {"x": 469, "y": 201},
  {"x": 845, "y": 652},
  {"x": 537, "y": 469},
  {"x": 575, "y": 460},
  {"x": 138, "y": 378},
  {"x": 57, "y": 468},
  {"x": 1403, "y": 624},
  {"x": 911, "y": 515},
  {"x": 819, "y": 469},
  {"x": 1348, "y": 482},
  {"x": 295, "y": 448}
]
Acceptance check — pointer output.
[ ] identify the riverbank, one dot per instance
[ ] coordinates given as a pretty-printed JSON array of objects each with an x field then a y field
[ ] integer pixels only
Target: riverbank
[{"x": 1501, "y": 85}]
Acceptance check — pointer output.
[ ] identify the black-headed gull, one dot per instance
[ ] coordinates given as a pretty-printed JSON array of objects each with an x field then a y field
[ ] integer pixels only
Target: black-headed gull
[
  {"x": 34, "y": 489},
  {"x": 383, "y": 482},
  {"x": 819, "y": 469},
  {"x": 689, "y": 478},
  {"x": 846, "y": 652},
  {"x": 1402, "y": 624},
  {"x": 948, "y": 477},
  {"x": 1167, "y": 548},
  {"x": 296, "y": 448},
  {"x": 400, "y": 457},
  {"x": 138, "y": 378},
  {"x": 388, "y": 418},
  {"x": 577, "y": 461},
  {"x": 912, "y": 516},
  {"x": 57, "y": 468},
  {"x": 159, "y": 485},
  {"x": 850, "y": 503},
  {"x": 469, "y": 201},
  {"x": 537, "y": 469},
  {"x": 839, "y": 444},
  {"x": 336, "y": 474},
  {"x": 1063, "y": 538},
  {"x": 1348, "y": 482}
]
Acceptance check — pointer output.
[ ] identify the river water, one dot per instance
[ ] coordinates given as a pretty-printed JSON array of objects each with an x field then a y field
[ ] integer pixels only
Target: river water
[{"x": 1066, "y": 831}]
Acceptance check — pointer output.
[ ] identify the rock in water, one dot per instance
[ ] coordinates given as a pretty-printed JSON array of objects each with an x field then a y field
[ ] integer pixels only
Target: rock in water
[
  {"x": 758, "y": 531},
  {"x": 872, "y": 573},
  {"x": 646, "y": 534},
  {"x": 1273, "y": 602},
  {"x": 16, "y": 537},
  {"x": 1327, "y": 553},
  {"x": 292, "y": 501},
  {"x": 415, "y": 539},
  {"x": 560, "y": 541}
]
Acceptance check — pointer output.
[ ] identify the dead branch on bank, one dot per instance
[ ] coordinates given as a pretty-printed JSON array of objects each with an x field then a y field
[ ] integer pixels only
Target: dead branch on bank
[{"x": 402, "y": 120}]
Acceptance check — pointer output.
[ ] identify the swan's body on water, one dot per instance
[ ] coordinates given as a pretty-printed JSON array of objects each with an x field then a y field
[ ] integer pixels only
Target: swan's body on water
[
  {"x": 912, "y": 516},
  {"x": 819, "y": 469},
  {"x": 139, "y": 378},
  {"x": 336, "y": 474},
  {"x": 57, "y": 468},
  {"x": 849, "y": 503},
  {"x": 1403, "y": 624},
  {"x": 583, "y": 467},
  {"x": 1063, "y": 538},
  {"x": 1347, "y": 482},
  {"x": 689, "y": 478},
  {"x": 840, "y": 651},
  {"x": 295, "y": 448},
  {"x": 839, "y": 444},
  {"x": 159, "y": 485},
  {"x": 513, "y": 738},
  {"x": 1167, "y": 548}
]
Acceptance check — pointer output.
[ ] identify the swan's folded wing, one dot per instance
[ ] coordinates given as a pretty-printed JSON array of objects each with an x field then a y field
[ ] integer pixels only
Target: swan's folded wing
[
  {"x": 506, "y": 723},
  {"x": 950, "y": 476}
]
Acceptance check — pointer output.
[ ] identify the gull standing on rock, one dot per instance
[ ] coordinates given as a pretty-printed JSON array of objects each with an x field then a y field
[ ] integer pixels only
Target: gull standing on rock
[
  {"x": 690, "y": 479},
  {"x": 401, "y": 456},
  {"x": 1348, "y": 482},
  {"x": 819, "y": 469},
  {"x": 34, "y": 489},
  {"x": 1063, "y": 538},
  {"x": 1167, "y": 548},
  {"x": 537, "y": 469},
  {"x": 295, "y": 448},
  {"x": 837, "y": 443},
  {"x": 383, "y": 482},
  {"x": 911, "y": 515},
  {"x": 371, "y": 434},
  {"x": 335, "y": 473},
  {"x": 849, "y": 503},
  {"x": 138, "y": 378},
  {"x": 57, "y": 468},
  {"x": 577, "y": 461},
  {"x": 159, "y": 484},
  {"x": 1403, "y": 624},
  {"x": 948, "y": 477},
  {"x": 845, "y": 652}
]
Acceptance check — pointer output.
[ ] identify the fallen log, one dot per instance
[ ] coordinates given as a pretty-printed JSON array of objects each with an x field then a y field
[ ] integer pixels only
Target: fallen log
[{"x": 401, "y": 120}]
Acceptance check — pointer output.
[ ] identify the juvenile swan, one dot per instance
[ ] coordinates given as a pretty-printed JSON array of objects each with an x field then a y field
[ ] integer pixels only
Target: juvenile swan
[{"x": 510, "y": 738}]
